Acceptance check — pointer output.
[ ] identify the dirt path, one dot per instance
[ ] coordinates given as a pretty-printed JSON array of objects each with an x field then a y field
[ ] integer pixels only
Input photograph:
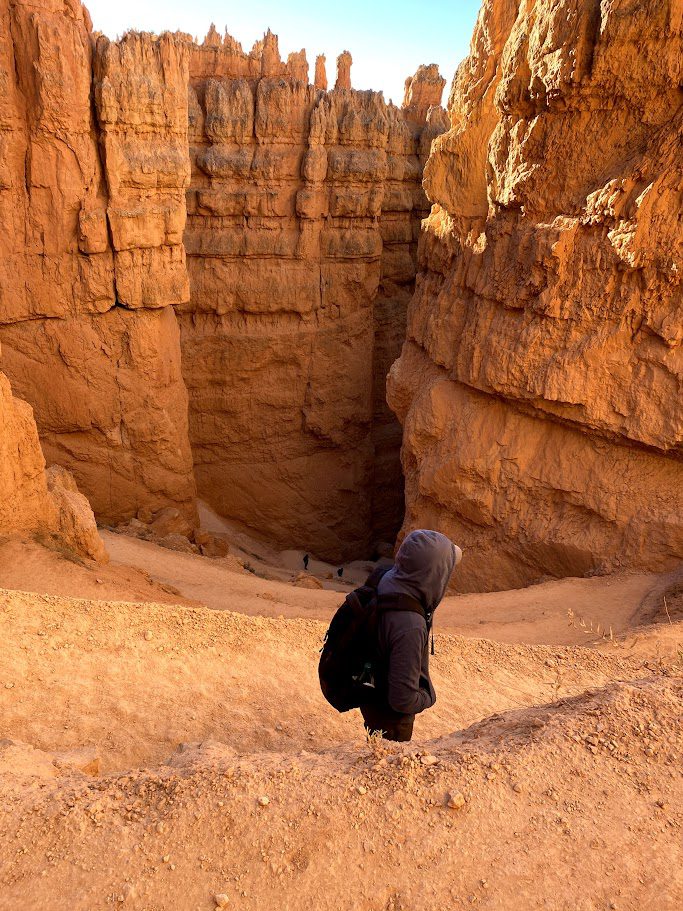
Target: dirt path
[
  {"x": 156, "y": 755},
  {"x": 27, "y": 566},
  {"x": 225, "y": 772},
  {"x": 135, "y": 680},
  {"x": 535, "y": 615}
]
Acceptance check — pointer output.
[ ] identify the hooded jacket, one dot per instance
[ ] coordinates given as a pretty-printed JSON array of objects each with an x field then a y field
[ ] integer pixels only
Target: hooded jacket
[{"x": 423, "y": 566}]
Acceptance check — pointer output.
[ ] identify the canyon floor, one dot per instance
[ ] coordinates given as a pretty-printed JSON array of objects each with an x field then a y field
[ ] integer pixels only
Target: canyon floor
[{"x": 166, "y": 745}]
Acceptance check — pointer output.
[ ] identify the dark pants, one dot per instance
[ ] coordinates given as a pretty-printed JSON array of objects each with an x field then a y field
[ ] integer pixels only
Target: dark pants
[{"x": 392, "y": 725}]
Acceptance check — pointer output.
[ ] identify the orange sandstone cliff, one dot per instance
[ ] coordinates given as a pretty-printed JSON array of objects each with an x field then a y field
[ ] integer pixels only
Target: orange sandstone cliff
[
  {"x": 93, "y": 167},
  {"x": 540, "y": 383},
  {"x": 33, "y": 502},
  {"x": 199, "y": 225},
  {"x": 303, "y": 215}
]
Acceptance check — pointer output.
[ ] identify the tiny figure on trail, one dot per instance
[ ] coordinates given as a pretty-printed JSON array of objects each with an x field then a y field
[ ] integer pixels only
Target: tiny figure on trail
[
  {"x": 376, "y": 652},
  {"x": 306, "y": 558},
  {"x": 340, "y": 571}
]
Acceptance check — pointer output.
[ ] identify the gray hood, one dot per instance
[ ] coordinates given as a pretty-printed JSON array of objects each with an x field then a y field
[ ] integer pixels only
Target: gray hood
[{"x": 423, "y": 566}]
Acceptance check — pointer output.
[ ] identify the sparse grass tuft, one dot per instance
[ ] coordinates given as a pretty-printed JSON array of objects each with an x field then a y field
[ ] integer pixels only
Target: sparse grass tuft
[
  {"x": 588, "y": 628},
  {"x": 378, "y": 746}
]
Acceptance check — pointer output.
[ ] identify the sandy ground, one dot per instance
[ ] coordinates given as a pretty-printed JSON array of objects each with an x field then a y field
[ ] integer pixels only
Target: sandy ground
[
  {"x": 539, "y": 614},
  {"x": 27, "y": 566},
  {"x": 157, "y": 755},
  {"x": 143, "y": 571}
]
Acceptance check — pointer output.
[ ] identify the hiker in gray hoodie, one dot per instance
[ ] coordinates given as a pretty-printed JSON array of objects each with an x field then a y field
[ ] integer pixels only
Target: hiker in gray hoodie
[{"x": 408, "y": 595}]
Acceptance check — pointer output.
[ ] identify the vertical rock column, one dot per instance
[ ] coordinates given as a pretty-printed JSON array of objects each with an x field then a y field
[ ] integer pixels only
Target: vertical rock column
[
  {"x": 55, "y": 260},
  {"x": 285, "y": 254},
  {"x": 24, "y": 501},
  {"x": 141, "y": 99},
  {"x": 541, "y": 384},
  {"x": 103, "y": 378}
]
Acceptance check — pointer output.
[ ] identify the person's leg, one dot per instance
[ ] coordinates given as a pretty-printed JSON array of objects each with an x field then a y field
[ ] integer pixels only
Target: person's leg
[
  {"x": 401, "y": 731},
  {"x": 390, "y": 725}
]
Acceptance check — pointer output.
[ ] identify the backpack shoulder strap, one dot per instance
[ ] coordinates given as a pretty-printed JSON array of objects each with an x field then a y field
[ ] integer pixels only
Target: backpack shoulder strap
[
  {"x": 401, "y": 602},
  {"x": 375, "y": 576},
  {"x": 406, "y": 603}
]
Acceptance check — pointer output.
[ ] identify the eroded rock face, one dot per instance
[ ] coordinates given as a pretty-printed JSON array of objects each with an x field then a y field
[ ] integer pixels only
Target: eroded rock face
[
  {"x": 73, "y": 517},
  {"x": 141, "y": 100},
  {"x": 23, "y": 491},
  {"x": 540, "y": 386},
  {"x": 47, "y": 505},
  {"x": 304, "y": 209},
  {"x": 111, "y": 405},
  {"x": 303, "y": 215},
  {"x": 91, "y": 255}
]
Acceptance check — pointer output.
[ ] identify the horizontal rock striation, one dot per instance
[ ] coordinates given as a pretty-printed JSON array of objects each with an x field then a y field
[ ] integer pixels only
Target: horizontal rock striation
[
  {"x": 93, "y": 168},
  {"x": 151, "y": 176},
  {"x": 540, "y": 386},
  {"x": 303, "y": 214}
]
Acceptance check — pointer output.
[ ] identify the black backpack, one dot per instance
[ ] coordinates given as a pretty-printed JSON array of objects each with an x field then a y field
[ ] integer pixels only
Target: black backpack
[{"x": 348, "y": 657}]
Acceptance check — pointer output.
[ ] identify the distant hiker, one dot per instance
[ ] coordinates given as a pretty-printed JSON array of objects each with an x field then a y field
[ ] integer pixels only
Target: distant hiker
[
  {"x": 340, "y": 571},
  {"x": 305, "y": 561},
  {"x": 376, "y": 652}
]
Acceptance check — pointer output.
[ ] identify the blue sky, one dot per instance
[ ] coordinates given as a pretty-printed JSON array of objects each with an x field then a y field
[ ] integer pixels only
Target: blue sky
[{"x": 387, "y": 38}]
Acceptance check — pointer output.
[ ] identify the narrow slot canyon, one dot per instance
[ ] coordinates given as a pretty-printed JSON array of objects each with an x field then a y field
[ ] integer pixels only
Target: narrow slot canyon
[
  {"x": 303, "y": 218},
  {"x": 211, "y": 265},
  {"x": 214, "y": 276}
]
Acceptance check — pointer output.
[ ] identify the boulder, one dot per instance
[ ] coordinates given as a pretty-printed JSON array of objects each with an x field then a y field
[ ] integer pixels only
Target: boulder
[
  {"x": 178, "y": 542},
  {"x": 306, "y": 580},
  {"x": 170, "y": 521}
]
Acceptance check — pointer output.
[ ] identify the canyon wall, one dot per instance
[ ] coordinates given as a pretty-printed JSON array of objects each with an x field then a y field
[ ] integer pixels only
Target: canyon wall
[
  {"x": 44, "y": 505},
  {"x": 299, "y": 209},
  {"x": 303, "y": 214},
  {"x": 540, "y": 384},
  {"x": 91, "y": 256}
]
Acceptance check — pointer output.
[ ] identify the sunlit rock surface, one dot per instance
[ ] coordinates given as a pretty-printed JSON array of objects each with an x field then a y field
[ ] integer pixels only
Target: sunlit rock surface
[{"x": 540, "y": 384}]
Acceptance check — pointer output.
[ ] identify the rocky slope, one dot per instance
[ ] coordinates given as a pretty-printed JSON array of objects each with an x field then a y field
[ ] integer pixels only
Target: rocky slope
[
  {"x": 540, "y": 385},
  {"x": 140, "y": 785},
  {"x": 304, "y": 207}
]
